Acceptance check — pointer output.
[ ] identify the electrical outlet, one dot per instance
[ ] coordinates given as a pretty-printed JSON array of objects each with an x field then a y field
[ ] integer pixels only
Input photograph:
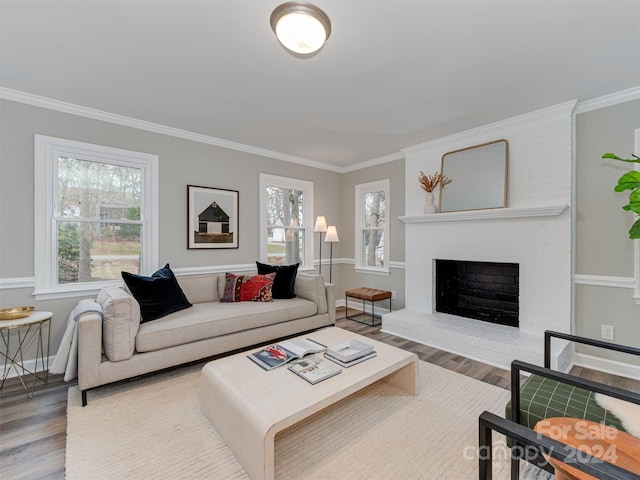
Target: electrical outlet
[
  {"x": 607, "y": 332},
  {"x": 393, "y": 294}
]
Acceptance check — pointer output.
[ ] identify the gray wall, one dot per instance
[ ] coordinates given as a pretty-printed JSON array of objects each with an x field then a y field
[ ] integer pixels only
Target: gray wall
[
  {"x": 182, "y": 162},
  {"x": 394, "y": 171},
  {"x": 603, "y": 248}
]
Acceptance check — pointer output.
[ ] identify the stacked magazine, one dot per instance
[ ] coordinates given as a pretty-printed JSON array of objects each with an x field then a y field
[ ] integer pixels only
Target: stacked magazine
[
  {"x": 314, "y": 368},
  {"x": 278, "y": 354},
  {"x": 350, "y": 353}
]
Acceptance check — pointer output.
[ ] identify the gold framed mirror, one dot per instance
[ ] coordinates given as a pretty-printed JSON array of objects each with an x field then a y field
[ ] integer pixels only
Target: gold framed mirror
[{"x": 478, "y": 177}]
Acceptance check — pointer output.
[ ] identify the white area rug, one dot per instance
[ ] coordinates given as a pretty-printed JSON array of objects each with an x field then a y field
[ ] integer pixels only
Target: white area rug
[{"x": 154, "y": 428}]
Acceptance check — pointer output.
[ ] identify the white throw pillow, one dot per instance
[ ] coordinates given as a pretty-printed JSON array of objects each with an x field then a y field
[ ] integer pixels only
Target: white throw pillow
[{"x": 120, "y": 324}]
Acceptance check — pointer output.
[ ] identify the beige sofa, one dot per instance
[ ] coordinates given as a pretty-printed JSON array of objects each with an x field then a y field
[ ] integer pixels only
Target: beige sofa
[{"x": 116, "y": 346}]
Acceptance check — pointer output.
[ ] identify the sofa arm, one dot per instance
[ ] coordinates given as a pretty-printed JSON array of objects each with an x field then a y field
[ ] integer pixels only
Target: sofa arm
[{"x": 89, "y": 350}]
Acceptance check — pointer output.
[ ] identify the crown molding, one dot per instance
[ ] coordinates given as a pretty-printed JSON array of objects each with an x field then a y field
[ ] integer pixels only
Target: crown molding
[
  {"x": 565, "y": 108},
  {"x": 92, "y": 113},
  {"x": 609, "y": 100},
  {"x": 392, "y": 157},
  {"x": 95, "y": 114}
]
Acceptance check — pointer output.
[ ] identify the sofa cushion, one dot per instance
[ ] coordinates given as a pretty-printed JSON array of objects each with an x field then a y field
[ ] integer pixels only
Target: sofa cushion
[
  {"x": 248, "y": 288},
  {"x": 542, "y": 397},
  {"x": 200, "y": 288},
  {"x": 120, "y": 324},
  {"x": 158, "y": 295},
  {"x": 207, "y": 320},
  {"x": 284, "y": 283},
  {"x": 312, "y": 288}
]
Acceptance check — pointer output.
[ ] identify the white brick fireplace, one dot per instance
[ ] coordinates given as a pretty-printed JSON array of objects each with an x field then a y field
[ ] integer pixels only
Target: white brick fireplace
[{"x": 534, "y": 231}]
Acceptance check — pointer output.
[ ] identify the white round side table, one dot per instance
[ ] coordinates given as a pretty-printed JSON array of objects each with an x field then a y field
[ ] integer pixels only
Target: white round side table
[{"x": 26, "y": 330}]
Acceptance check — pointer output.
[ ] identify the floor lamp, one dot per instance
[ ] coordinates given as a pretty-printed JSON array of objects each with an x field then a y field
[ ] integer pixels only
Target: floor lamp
[
  {"x": 321, "y": 227},
  {"x": 331, "y": 237}
]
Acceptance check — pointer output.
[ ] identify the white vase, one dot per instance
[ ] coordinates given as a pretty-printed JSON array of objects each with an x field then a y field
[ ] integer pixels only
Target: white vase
[{"x": 430, "y": 207}]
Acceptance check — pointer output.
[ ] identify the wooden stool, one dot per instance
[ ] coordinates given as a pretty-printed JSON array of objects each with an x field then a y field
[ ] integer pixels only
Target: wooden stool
[
  {"x": 598, "y": 440},
  {"x": 365, "y": 294}
]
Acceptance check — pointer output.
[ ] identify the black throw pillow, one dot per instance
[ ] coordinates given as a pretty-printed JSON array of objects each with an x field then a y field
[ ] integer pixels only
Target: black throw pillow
[
  {"x": 158, "y": 295},
  {"x": 285, "y": 278}
]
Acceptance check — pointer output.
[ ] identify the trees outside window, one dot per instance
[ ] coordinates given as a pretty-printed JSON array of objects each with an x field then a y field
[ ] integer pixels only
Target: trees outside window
[
  {"x": 372, "y": 235},
  {"x": 95, "y": 214},
  {"x": 286, "y": 213}
]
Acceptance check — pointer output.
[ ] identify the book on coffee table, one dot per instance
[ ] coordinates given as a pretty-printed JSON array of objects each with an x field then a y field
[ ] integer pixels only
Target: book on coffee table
[
  {"x": 280, "y": 353},
  {"x": 349, "y": 350},
  {"x": 314, "y": 368},
  {"x": 352, "y": 362}
]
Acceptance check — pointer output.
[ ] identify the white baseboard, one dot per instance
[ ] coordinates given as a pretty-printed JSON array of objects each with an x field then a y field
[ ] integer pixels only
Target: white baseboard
[{"x": 613, "y": 367}]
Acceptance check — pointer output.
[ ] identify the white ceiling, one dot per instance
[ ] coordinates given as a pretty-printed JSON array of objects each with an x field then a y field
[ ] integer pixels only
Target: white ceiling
[{"x": 393, "y": 73}]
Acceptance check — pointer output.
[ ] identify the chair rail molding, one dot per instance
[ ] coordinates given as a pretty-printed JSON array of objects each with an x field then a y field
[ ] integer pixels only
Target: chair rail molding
[
  {"x": 604, "y": 281},
  {"x": 17, "y": 282}
]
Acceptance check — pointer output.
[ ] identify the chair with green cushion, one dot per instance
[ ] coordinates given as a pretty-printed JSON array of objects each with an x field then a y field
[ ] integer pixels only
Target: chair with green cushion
[
  {"x": 542, "y": 397},
  {"x": 547, "y": 393}
]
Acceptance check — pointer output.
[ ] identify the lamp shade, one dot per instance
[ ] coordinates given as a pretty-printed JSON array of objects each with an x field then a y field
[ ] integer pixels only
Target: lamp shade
[
  {"x": 302, "y": 28},
  {"x": 332, "y": 234},
  {"x": 321, "y": 224}
]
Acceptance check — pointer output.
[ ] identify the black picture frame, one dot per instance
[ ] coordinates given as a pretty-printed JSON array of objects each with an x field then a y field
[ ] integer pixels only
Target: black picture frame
[{"x": 212, "y": 217}]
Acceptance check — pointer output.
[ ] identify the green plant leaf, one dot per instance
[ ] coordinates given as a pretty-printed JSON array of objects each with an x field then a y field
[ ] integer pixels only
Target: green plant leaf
[
  {"x": 634, "y": 232},
  {"x": 615, "y": 157},
  {"x": 628, "y": 181},
  {"x": 634, "y": 201}
]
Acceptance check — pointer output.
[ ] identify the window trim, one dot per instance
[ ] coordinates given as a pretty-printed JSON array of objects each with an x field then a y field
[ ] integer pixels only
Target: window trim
[
  {"x": 267, "y": 180},
  {"x": 360, "y": 191},
  {"x": 46, "y": 150}
]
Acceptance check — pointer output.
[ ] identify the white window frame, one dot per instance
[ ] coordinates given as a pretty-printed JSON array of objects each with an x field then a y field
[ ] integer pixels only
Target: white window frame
[
  {"x": 306, "y": 187},
  {"x": 46, "y": 210},
  {"x": 360, "y": 191}
]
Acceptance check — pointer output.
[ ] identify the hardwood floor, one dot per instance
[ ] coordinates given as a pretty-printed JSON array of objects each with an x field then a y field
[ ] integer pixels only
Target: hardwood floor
[{"x": 33, "y": 431}]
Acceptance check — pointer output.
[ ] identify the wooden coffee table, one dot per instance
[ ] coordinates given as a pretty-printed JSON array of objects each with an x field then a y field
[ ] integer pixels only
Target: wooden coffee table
[{"x": 248, "y": 406}]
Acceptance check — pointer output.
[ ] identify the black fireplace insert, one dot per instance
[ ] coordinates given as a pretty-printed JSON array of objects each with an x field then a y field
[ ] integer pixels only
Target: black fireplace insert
[{"x": 480, "y": 290}]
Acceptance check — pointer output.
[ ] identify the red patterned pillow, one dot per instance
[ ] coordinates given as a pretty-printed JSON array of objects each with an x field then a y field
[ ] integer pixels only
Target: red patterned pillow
[{"x": 248, "y": 288}]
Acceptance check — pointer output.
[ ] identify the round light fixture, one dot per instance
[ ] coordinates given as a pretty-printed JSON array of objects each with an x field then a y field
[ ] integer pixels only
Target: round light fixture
[{"x": 302, "y": 28}]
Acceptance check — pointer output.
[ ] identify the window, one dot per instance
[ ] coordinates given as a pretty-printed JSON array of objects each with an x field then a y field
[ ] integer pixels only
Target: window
[
  {"x": 372, "y": 229},
  {"x": 286, "y": 221},
  {"x": 95, "y": 216}
]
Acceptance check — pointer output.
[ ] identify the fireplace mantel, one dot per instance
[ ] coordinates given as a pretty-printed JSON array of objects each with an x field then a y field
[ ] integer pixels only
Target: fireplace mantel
[{"x": 494, "y": 213}]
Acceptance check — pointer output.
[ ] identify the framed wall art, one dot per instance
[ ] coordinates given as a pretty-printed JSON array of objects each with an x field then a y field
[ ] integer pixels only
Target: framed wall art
[{"x": 212, "y": 217}]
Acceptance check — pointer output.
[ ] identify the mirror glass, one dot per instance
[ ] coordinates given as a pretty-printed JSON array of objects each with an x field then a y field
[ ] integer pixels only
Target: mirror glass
[{"x": 478, "y": 177}]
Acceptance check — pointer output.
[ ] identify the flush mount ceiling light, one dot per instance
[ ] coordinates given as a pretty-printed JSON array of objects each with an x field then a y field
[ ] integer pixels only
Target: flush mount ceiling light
[{"x": 301, "y": 28}]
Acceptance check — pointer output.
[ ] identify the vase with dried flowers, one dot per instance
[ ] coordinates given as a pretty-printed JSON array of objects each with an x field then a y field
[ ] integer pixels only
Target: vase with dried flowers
[{"x": 429, "y": 183}]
